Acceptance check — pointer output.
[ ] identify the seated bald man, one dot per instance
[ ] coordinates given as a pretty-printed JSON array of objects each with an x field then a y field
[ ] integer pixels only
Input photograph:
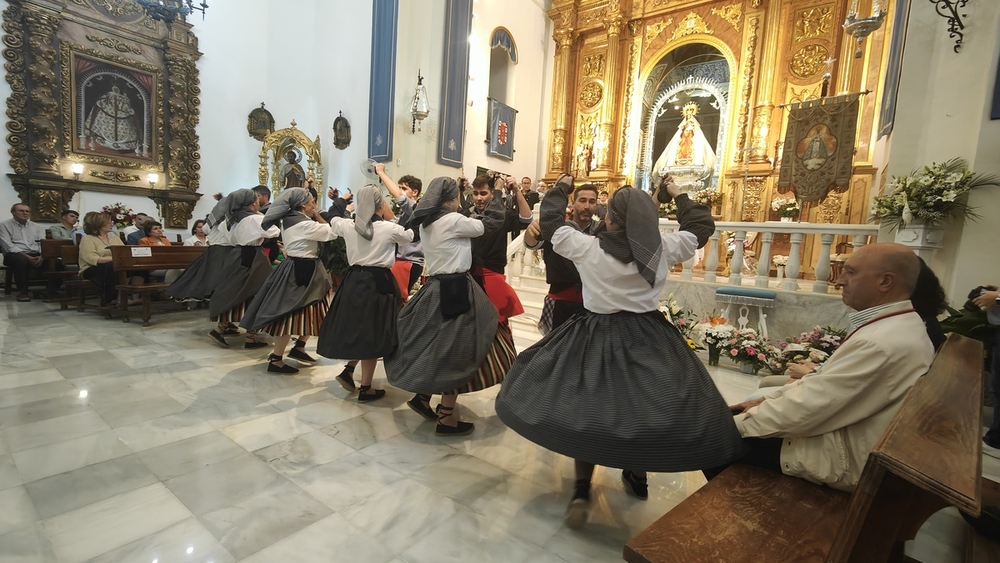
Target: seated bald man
[{"x": 823, "y": 427}]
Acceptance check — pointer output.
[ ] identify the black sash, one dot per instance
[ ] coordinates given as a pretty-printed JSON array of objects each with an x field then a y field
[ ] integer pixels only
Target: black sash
[
  {"x": 248, "y": 254},
  {"x": 304, "y": 270},
  {"x": 454, "y": 295},
  {"x": 385, "y": 283}
]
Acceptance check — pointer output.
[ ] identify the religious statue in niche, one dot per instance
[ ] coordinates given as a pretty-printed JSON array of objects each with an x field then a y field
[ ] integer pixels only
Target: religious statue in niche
[
  {"x": 113, "y": 109},
  {"x": 584, "y": 160},
  {"x": 817, "y": 147},
  {"x": 688, "y": 157},
  {"x": 291, "y": 174}
]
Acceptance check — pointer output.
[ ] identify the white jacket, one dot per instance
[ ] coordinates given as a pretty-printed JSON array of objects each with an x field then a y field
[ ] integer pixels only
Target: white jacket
[{"x": 831, "y": 420}]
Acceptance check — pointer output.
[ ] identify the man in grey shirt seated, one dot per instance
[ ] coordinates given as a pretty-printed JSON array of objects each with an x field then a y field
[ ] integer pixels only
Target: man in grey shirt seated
[{"x": 21, "y": 241}]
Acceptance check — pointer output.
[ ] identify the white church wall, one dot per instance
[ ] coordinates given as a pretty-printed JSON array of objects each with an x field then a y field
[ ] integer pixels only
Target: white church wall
[{"x": 942, "y": 113}]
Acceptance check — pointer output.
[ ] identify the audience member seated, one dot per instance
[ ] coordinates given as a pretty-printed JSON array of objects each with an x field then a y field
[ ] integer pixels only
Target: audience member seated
[
  {"x": 21, "y": 242},
  {"x": 822, "y": 427},
  {"x": 66, "y": 227},
  {"x": 154, "y": 235},
  {"x": 95, "y": 255},
  {"x": 132, "y": 236},
  {"x": 136, "y": 225},
  {"x": 198, "y": 237}
]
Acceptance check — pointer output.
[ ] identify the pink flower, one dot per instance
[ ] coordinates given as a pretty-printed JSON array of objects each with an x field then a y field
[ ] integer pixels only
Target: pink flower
[
  {"x": 751, "y": 351},
  {"x": 734, "y": 352},
  {"x": 760, "y": 357},
  {"x": 733, "y": 341}
]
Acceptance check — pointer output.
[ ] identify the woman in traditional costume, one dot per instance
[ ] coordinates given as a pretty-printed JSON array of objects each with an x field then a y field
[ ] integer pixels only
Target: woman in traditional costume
[
  {"x": 617, "y": 385},
  {"x": 294, "y": 299},
  {"x": 450, "y": 340},
  {"x": 362, "y": 320}
]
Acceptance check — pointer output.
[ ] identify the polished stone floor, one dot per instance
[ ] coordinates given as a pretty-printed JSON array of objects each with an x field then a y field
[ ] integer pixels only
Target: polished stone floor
[{"x": 122, "y": 443}]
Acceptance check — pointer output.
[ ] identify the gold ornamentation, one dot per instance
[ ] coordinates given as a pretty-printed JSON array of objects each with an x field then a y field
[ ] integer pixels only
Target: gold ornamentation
[
  {"x": 808, "y": 61},
  {"x": 749, "y": 60},
  {"x": 281, "y": 140},
  {"x": 563, "y": 38},
  {"x": 732, "y": 13},
  {"x": 690, "y": 25},
  {"x": 829, "y": 210},
  {"x": 17, "y": 124},
  {"x": 591, "y": 95},
  {"x": 115, "y": 176},
  {"x": 119, "y": 8},
  {"x": 752, "y": 189},
  {"x": 558, "y": 143},
  {"x": 587, "y": 18},
  {"x": 814, "y": 22},
  {"x": 654, "y": 30},
  {"x": 184, "y": 115},
  {"x": 67, "y": 109},
  {"x": 46, "y": 203},
  {"x": 755, "y": 3},
  {"x": 41, "y": 36},
  {"x": 593, "y": 66},
  {"x": 633, "y": 59},
  {"x": 803, "y": 95},
  {"x": 117, "y": 45},
  {"x": 176, "y": 212}
]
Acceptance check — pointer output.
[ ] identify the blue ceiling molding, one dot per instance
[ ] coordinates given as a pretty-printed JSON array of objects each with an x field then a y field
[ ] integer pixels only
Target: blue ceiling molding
[
  {"x": 502, "y": 39},
  {"x": 382, "y": 88}
]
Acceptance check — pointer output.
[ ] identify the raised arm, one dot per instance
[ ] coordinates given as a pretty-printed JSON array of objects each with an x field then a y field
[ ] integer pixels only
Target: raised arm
[{"x": 394, "y": 190}]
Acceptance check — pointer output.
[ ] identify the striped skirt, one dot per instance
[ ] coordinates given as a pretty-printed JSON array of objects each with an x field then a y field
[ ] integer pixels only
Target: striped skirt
[
  {"x": 501, "y": 356},
  {"x": 304, "y": 322},
  {"x": 620, "y": 390},
  {"x": 235, "y": 314}
]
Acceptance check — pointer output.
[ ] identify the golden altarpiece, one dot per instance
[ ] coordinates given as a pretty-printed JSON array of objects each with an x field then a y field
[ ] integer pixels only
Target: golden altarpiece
[
  {"x": 103, "y": 98},
  {"x": 624, "y": 69}
]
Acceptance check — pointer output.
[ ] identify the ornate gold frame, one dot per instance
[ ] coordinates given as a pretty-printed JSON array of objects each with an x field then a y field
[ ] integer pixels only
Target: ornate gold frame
[
  {"x": 69, "y": 108},
  {"x": 275, "y": 141}
]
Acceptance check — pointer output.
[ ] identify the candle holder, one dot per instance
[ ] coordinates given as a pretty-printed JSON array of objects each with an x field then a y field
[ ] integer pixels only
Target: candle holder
[{"x": 859, "y": 27}]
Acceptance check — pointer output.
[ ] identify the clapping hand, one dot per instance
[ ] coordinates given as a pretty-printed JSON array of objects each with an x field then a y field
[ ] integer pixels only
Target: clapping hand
[
  {"x": 745, "y": 405},
  {"x": 987, "y": 299}
]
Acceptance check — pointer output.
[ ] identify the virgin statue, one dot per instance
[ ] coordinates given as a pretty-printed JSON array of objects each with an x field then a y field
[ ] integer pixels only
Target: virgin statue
[
  {"x": 688, "y": 154},
  {"x": 112, "y": 123}
]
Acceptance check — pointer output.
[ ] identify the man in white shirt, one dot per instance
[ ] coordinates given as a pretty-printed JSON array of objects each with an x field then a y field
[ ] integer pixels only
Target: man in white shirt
[
  {"x": 136, "y": 225},
  {"x": 21, "y": 241},
  {"x": 823, "y": 427}
]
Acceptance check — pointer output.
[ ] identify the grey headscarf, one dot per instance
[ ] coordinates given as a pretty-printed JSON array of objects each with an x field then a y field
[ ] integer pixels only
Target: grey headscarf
[
  {"x": 286, "y": 208},
  {"x": 218, "y": 213},
  {"x": 238, "y": 206},
  {"x": 431, "y": 207},
  {"x": 366, "y": 203},
  {"x": 639, "y": 238}
]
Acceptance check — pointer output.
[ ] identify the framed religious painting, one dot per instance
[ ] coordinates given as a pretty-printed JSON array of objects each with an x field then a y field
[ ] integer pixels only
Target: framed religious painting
[{"x": 112, "y": 109}]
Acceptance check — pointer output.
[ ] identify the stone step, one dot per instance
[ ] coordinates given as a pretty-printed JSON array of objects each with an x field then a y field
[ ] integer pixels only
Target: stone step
[{"x": 526, "y": 281}]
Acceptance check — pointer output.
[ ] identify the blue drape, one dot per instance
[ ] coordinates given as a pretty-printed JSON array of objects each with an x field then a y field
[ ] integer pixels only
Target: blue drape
[
  {"x": 501, "y": 38},
  {"x": 382, "y": 87},
  {"x": 451, "y": 132}
]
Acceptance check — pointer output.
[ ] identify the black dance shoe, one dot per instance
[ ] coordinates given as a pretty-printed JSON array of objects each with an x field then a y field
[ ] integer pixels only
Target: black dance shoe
[
  {"x": 346, "y": 379},
  {"x": 216, "y": 337},
  {"x": 231, "y": 329},
  {"x": 254, "y": 344},
  {"x": 298, "y": 352},
  {"x": 421, "y": 404},
  {"x": 460, "y": 428},
  {"x": 273, "y": 367},
  {"x": 634, "y": 486},
  {"x": 368, "y": 394},
  {"x": 578, "y": 510}
]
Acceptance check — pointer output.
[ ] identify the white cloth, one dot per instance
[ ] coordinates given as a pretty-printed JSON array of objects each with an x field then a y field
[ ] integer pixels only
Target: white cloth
[
  {"x": 129, "y": 230},
  {"x": 302, "y": 239},
  {"x": 15, "y": 237},
  {"x": 448, "y": 244},
  {"x": 379, "y": 252},
  {"x": 248, "y": 232},
  {"x": 830, "y": 420},
  {"x": 193, "y": 240},
  {"x": 219, "y": 235},
  {"x": 610, "y": 286}
]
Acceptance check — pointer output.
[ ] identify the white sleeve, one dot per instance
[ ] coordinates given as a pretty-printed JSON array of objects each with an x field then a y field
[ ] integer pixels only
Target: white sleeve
[
  {"x": 399, "y": 234},
  {"x": 574, "y": 245},
  {"x": 679, "y": 247},
  {"x": 312, "y": 230},
  {"x": 466, "y": 227},
  {"x": 341, "y": 226}
]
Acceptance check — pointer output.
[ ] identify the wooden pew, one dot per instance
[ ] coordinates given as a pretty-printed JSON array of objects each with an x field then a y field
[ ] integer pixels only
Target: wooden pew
[
  {"x": 929, "y": 457},
  {"x": 54, "y": 267},
  {"x": 130, "y": 259}
]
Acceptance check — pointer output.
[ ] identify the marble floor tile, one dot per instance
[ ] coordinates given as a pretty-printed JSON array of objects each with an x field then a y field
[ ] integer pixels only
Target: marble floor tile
[
  {"x": 463, "y": 479},
  {"x": 104, "y": 526},
  {"x": 33, "y": 393},
  {"x": 18, "y": 510},
  {"x": 232, "y": 480},
  {"x": 54, "y": 430},
  {"x": 470, "y": 537},
  {"x": 22, "y": 379},
  {"x": 346, "y": 481},
  {"x": 8, "y": 472},
  {"x": 185, "y": 456},
  {"x": 333, "y": 539},
  {"x": 75, "y": 489},
  {"x": 362, "y": 431},
  {"x": 44, "y": 461},
  {"x": 523, "y": 509},
  {"x": 293, "y": 456},
  {"x": 163, "y": 430},
  {"x": 266, "y": 430},
  {"x": 325, "y": 413},
  {"x": 64, "y": 405},
  {"x": 401, "y": 514},
  {"x": 26, "y": 545},
  {"x": 134, "y": 405},
  {"x": 257, "y": 521},
  {"x": 242, "y": 408},
  {"x": 410, "y": 452},
  {"x": 183, "y": 542}
]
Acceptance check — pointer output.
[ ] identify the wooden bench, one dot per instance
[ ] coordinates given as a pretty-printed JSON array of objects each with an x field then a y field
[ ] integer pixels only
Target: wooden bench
[
  {"x": 129, "y": 259},
  {"x": 929, "y": 457}
]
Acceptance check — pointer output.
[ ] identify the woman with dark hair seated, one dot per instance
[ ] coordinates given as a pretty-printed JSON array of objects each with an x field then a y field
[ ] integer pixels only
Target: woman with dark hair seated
[{"x": 929, "y": 300}]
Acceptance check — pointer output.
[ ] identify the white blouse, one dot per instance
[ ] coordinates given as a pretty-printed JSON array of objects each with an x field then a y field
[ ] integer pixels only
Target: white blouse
[
  {"x": 219, "y": 235},
  {"x": 447, "y": 244},
  {"x": 193, "y": 240},
  {"x": 379, "y": 252},
  {"x": 610, "y": 286},
  {"x": 248, "y": 232},
  {"x": 302, "y": 240}
]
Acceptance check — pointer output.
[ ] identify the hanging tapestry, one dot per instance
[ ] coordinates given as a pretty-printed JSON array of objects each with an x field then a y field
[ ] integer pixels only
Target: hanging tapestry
[
  {"x": 819, "y": 147},
  {"x": 501, "y": 130}
]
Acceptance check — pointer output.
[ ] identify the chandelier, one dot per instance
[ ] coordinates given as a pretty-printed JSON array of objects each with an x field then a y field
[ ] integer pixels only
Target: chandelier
[
  {"x": 861, "y": 27},
  {"x": 168, "y": 10}
]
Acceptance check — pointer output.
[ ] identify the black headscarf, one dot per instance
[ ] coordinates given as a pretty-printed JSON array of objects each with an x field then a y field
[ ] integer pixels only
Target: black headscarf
[
  {"x": 639, "y": 238},
  {"x": 431, "y": 207}
]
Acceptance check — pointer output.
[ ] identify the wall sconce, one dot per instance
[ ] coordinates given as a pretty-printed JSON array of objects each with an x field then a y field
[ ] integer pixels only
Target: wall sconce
[
  {"x": 859, "y": 27},
  {"x": 153, "y": 179},
  {"x": 419, "y": 109},
  {"x": 77, "y": 169}
]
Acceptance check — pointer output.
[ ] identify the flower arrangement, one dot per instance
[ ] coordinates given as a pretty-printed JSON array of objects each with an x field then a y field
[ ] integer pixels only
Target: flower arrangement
[
  {"x": 815, "y": 346},
  {"x": 668, "y": 209},
  {"x": 707, "y": 196},
  {"x": 931, "y": 195},
  {"x": 681, "y": 318},
  {"x": 713, "y": 331},
  {"x": 786, "y": 207},
  {"x": 730, "y": 238},
  {"x": 779, "y": 260},
  {"x": 745, "y": 346},
  {"x": 121, "y": 214}
]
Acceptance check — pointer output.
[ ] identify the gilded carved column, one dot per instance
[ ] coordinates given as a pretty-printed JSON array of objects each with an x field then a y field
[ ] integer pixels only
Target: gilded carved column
[
  {"x": 183, "y": 104},
  {"x": 563, "y": 36},
  {"x": 41, "y": 40},
  {"x": 613, "y": 22},
  {"x": 17, "y": 104}
]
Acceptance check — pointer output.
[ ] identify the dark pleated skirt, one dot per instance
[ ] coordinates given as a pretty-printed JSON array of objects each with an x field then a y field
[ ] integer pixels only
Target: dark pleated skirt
[
  {"x": 361, "y": 323},
  {"x": 205, "y": 273},
  {"x": 242, "y": 282},
  {"x": 438, "y": 355},
  {"x": 285, "y": 293},
  {"x": 621, "y": 390}
]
